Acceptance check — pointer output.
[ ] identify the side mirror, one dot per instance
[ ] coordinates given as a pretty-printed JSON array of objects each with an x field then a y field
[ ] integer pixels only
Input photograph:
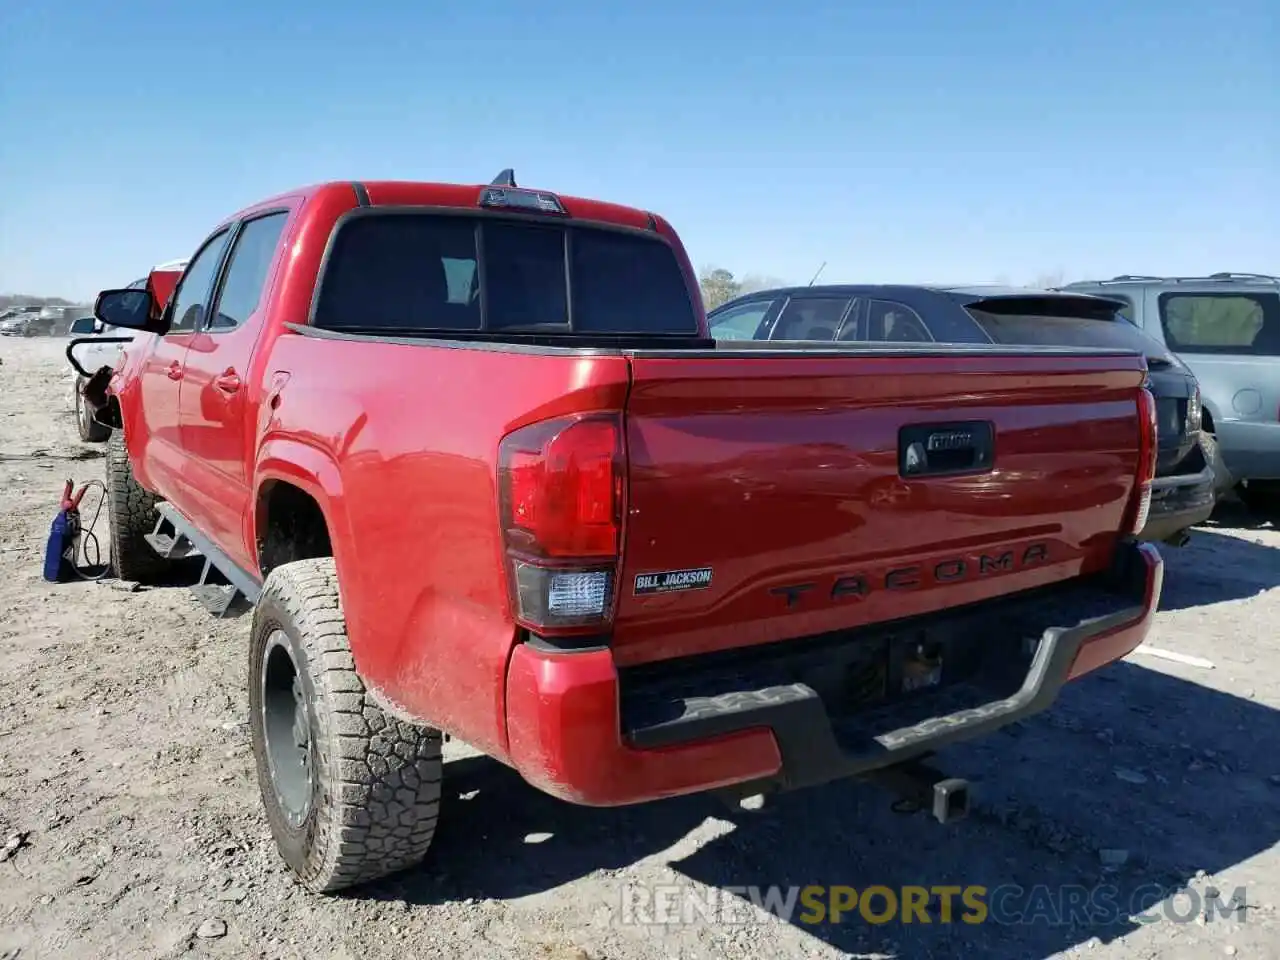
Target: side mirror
[{"x": 130, "y": 309}]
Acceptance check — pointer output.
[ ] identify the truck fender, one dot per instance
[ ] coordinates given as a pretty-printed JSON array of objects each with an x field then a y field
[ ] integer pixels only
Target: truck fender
[{"x": 315, "y": 473}]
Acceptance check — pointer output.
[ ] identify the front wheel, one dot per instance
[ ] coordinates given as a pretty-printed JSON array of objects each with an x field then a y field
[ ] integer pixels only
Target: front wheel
[
  {"x": 351, "y": 793},
  {"x": 132, "y": 515},
  {"x": 91, "y": 431}
]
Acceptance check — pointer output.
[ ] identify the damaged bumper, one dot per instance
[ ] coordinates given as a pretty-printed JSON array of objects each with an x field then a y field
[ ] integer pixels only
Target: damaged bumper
[
  {"x": 1179, "y": 503},
  {"x": 810, "y": 711}
]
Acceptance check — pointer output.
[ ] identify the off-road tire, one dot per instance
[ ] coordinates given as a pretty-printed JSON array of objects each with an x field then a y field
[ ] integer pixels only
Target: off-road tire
[
  {"x": 133, "y": 516},
  {"x": 373, "y": 784},
  {"x": 90, "y": 430}
]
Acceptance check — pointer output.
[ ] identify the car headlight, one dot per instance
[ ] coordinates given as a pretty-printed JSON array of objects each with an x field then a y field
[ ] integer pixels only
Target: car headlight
[{"x": 1194, "y": 411}]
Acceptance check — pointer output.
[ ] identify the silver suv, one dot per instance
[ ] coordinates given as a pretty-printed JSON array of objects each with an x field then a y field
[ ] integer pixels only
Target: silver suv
[{"x": 1226, "y": 328}]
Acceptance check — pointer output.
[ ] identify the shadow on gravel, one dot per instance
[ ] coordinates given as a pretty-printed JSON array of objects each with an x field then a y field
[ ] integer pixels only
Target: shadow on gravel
[
  {"x": 184, "y": 573},
  {"x": 1166, "y": 775},
  {"x": 1234, "y": 514},
  {"x": 1215, "y": 567}
]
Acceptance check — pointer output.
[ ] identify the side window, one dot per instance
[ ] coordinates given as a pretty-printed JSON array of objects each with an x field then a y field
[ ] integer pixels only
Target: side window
[
  {"x": 810, "y": 318},
  {"x": 1221, "y": 323},
  {"x": 740, "y": 322},
  {"x": 891, "y": 322},
  {"x": 191, "y": 299},
  {"x": 251, "y": 258}
]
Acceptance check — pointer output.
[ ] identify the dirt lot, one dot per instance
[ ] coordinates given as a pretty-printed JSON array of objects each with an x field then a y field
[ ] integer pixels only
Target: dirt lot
[{"x": 127, "y": 783}]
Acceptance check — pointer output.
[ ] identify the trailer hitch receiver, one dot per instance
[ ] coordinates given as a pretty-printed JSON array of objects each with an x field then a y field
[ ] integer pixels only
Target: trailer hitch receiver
[{"x": 923, "y": 788}]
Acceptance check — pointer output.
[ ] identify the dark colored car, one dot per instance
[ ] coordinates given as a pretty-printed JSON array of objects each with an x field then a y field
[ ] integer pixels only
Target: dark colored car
[{"x": 1183, "y": 493}]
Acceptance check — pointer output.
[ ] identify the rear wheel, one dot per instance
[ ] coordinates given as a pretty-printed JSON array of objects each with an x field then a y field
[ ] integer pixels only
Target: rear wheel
[
  {"x": 91, "y": 431},
  {"x": 351, "y": 793}
]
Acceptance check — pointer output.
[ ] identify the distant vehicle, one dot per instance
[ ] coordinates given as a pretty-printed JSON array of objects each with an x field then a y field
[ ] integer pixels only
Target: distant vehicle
[
  {"x": 1226, "y": 327},
  {"x": 96, "y": 356},
  {"x": 51, "y": 321},
  {"x": 1183, "y": 492}
]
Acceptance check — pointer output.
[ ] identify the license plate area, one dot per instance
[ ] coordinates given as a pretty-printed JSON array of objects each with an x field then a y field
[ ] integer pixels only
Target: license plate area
[{"x": 913, "y": 665}]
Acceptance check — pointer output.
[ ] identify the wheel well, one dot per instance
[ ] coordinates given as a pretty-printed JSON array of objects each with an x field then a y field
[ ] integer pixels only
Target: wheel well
[
  {"x": 1206, "y": 420},
  {"x": 290, "y": 526}
]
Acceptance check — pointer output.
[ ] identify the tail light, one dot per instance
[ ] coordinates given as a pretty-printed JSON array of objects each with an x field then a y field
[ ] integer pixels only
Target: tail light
[
  {"x": 1140, "y": 503},
  {"x": 561, "y": 492}
]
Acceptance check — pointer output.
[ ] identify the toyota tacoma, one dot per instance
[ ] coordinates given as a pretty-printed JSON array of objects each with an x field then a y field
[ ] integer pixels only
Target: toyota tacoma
[{"x": 471, "y": 455}]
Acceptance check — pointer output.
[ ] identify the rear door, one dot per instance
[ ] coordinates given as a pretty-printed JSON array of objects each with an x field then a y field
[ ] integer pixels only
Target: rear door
[
  {"x": 164, "y": 365},
  {"x": 215, "y": 402},
  {"x": 887, "y": 321}
]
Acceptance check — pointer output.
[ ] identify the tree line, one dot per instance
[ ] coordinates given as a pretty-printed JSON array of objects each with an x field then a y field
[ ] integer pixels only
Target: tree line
[{"x": 720, "y": 285}]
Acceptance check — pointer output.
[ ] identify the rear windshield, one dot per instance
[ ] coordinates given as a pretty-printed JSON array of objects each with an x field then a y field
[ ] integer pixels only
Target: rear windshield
[
  {"x": 1061, "y": 322},
  {"x": 416, "y": 273}
]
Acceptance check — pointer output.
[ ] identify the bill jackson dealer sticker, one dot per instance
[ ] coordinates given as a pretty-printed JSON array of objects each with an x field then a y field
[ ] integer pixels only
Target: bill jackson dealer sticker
[{"x": 670, "y": 581}]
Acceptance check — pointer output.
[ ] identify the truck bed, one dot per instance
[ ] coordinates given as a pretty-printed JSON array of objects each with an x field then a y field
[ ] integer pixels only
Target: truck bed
[{"x": 776, "y": 468}]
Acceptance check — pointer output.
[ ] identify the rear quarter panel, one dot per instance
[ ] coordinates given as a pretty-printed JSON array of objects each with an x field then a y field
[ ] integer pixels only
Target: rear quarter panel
[{"x": 400, "y": 443}]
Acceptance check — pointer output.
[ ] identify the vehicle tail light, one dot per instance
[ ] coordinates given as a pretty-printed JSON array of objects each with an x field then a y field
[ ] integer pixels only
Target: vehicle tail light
[
  {"x": 561, "y": 493},
  {"x": 1140, "y": 502}
]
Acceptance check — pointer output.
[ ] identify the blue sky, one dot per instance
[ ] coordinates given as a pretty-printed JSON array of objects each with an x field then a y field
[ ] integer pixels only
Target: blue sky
[{"x": 930, "y": 141}]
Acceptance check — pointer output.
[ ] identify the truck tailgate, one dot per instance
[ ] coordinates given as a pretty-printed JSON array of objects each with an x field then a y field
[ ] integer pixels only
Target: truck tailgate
[{"x": 786, "y": 496}]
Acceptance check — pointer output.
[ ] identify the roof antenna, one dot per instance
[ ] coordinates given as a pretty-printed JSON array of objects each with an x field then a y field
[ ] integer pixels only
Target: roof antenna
[
  {"x": 820, "y": 269},
  {"x": 507, "y": 178}
]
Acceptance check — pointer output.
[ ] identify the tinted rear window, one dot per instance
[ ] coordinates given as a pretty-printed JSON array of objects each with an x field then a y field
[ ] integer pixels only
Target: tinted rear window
[
  {"x": 1239, "y": 323},
  {"x": 427, "y": 272},
  {"x": 1060, "y": 322}
]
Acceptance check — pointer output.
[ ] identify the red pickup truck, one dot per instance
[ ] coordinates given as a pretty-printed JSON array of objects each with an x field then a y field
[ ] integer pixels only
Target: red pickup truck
[{"x": 472, "y": 457}]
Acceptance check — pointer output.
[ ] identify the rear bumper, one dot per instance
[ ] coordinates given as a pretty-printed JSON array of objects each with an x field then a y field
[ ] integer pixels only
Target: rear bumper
[
  {"x": 581, "y": 731},
  {"x": 1179, "y": 502}
]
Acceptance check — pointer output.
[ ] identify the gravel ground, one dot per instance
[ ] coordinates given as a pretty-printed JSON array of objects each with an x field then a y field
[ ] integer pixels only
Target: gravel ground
[{"x": 130, "y": 820}]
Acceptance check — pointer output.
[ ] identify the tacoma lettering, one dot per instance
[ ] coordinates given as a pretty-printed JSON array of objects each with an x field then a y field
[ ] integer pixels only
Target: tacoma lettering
[{"x": 951, "y": 570}]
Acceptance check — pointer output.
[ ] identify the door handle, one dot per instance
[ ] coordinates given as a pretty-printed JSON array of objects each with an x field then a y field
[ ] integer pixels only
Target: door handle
[
  {"x": 228, "y": 382},
  {"x": 174, "y": 371}
]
